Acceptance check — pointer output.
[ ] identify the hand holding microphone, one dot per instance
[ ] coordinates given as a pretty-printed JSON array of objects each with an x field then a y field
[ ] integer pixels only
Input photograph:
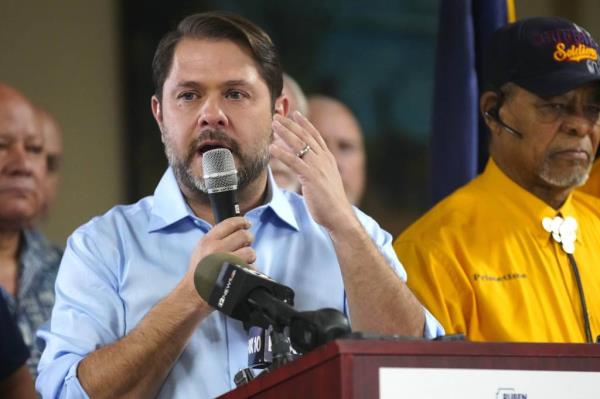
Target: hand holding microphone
[
  {"x": 225, "y": 281},
  {"x": 232, "y": 235},
  {"x": 231, "y": 232}
]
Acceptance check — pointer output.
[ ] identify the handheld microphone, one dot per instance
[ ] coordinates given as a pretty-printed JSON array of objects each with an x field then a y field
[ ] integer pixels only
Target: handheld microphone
[
  {"x": 493, "y": 115},
  {"x": 221, "y": 180},
  {"x": 226, "y": 283}
]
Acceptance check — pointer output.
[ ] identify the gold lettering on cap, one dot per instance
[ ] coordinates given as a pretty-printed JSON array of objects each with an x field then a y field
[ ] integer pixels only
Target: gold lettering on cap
[{"x": 574, "y": 53}]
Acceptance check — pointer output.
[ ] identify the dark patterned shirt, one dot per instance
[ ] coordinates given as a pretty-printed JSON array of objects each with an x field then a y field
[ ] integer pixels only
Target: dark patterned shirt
[
  {"x": 13, "y": 352},
  {"x": 38, "y": 264}
]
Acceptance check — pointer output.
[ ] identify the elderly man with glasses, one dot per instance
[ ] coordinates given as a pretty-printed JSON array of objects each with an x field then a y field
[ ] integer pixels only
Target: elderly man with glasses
[{"x": 513, "y": 255}]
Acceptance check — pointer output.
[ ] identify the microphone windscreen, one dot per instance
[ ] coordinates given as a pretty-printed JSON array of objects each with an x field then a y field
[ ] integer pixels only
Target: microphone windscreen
[
  {"x": 219, "y": 170},
  {"x": 208, "y": 270}
]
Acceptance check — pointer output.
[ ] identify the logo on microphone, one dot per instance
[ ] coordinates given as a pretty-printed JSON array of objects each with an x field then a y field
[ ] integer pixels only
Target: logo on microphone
[
  {"x": 226, "y": 290},
  {"x": 254, "y": 344}
]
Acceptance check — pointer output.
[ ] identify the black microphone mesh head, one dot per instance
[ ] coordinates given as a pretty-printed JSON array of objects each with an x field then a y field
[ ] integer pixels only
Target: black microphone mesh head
[{"x": 219, "y": 170}]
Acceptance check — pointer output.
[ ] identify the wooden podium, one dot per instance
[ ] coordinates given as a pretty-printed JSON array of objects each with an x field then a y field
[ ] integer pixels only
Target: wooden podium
[{"x": 350, "y": 368}]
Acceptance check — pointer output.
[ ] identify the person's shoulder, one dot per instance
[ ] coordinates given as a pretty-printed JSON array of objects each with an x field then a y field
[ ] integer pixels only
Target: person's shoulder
[
  {"x": 118, "y": 217},
  {"x": 105, "y": 236},
  {"x": 587, "y": 203},
  {"x": 453, "y": 213},
  {"x": 34, "y": 236},
  {"x": 43, "y": 248}
]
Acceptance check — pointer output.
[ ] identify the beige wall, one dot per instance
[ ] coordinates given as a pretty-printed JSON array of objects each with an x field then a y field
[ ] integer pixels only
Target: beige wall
[
  {"x": 63, "y": 55},
  {"x": 583, "y": 12}
]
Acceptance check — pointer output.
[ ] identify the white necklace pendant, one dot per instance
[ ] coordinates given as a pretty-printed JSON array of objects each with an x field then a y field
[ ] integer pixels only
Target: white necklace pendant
[{"x": 564, "y": 231}]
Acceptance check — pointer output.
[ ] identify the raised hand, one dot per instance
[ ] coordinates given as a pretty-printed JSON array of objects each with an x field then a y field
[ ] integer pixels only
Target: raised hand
[{"x": 306, "y": 153}]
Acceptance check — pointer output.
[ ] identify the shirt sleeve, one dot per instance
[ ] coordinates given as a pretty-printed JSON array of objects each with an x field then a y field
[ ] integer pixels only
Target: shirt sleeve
[
  {"x": 383, "y": 240},
  {"x": 88, "y": 314},
  {"x": 435, "y": 280},
  {"x": 13, "y": 352}
]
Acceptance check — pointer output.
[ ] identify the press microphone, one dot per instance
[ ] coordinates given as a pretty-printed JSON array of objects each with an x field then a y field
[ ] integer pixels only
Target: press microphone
[
  {"x": 227, "y": 284},
  {"x": 493, "y": 115},
  {"x": 221, "y": 180}
]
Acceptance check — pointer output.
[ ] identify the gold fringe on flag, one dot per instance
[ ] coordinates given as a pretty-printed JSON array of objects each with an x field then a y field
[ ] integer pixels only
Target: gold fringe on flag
[{"x": 510, "y": 11}]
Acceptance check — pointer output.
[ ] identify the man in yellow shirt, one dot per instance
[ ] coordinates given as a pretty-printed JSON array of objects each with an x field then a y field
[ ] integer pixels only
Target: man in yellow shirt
[{"x": 515, "y": 254}]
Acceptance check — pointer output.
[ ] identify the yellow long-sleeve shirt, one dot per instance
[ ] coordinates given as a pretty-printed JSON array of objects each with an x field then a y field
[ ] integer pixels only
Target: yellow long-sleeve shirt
[
  {"x": 592, "y": 185},
  {"x": 484, "y": 265}
]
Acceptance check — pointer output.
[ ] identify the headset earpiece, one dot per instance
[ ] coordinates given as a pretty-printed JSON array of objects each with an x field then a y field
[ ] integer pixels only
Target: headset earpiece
[{"x": 492, "y": 113}]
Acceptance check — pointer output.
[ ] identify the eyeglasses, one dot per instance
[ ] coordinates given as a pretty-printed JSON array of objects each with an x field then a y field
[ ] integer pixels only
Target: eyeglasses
[{"x": 554, "y": 110}]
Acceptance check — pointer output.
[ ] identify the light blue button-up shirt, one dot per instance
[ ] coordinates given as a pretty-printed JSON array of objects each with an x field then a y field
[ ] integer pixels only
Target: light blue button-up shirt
[{"x": 118, "y": 266}]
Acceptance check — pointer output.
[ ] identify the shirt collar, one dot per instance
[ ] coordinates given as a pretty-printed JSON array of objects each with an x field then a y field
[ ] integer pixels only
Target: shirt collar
[
  {"x": 36, "y": 257},
  {"x": 170, "y": 206},
  {"x": 515, "y": 198},
  {"x": 279, "y": 203}
]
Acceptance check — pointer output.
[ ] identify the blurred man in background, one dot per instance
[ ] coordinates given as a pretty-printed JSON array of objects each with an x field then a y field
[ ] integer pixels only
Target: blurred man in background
[
  {"x": 28, "y": 262},
  {"x": 53, "y": 145},
  {"x": 284, "y": 176},
  {"x": 343, "y": 135}
]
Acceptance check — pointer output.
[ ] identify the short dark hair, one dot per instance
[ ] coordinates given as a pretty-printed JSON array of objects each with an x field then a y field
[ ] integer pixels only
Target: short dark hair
[{"x": 226, "y": 26}]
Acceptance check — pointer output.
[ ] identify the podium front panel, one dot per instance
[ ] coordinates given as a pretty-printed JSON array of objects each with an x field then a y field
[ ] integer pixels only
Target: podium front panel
[{"x": 351, "y": 368}]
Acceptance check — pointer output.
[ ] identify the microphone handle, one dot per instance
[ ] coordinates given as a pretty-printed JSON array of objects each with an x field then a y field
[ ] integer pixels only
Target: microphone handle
[
  {"x": 224, "y": 205},
  {"x": 275, "y": 310}
]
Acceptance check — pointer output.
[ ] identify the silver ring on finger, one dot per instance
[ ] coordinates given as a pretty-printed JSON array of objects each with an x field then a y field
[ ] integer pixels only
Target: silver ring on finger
[{"x": 303, "y": 151}]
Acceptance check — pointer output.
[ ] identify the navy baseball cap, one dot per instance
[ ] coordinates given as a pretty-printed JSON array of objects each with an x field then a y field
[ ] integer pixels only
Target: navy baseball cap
[{"x": 547, "y": 56}]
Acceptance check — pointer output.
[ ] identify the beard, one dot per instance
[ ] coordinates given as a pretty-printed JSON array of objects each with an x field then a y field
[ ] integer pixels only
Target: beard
[
  {"x": 249, "y": 169},
  {"x": 572, "y": 177}
]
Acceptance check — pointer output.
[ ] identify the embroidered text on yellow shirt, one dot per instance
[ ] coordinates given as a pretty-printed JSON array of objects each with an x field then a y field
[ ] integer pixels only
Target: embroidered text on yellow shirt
[
  {"x": 574, "y": 53},
  {"x": 505, "y": 277}
]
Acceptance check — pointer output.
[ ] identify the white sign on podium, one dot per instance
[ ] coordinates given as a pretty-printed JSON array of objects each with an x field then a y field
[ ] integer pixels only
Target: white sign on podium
[{"x": 426, "y": 383}]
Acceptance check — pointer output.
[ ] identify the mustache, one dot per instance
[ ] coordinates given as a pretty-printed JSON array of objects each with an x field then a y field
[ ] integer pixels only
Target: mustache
[
  {"x": 574, "y": 144},
  {"x": 585, "y": 148},
  {"x": 212, "y": 135}
]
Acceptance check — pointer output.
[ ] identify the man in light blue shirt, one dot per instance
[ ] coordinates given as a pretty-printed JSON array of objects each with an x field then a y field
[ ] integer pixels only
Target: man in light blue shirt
[{"x": 128, "y": 320}]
